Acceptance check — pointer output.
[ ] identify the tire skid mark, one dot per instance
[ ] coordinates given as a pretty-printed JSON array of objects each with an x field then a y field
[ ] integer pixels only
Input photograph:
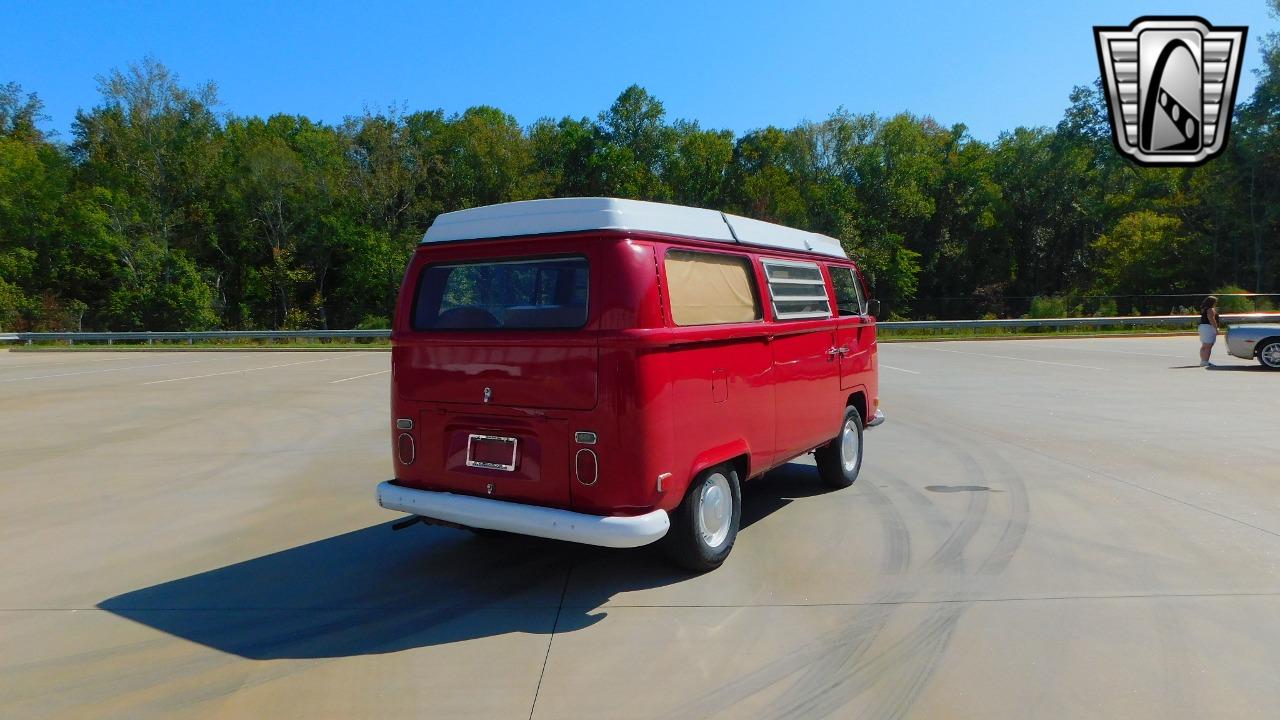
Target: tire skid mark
[
  {"x": 938, "y": 522},
  {"x": 828, "y": 678},
  {"x": 1176, "y": 657},
  {"x": 851, "y": 642},
  {"x": 949, "y": 557},
  {"x": 854, "y": 638},
  {"x": 841, "y": 656},
  {"x": 897, "y": 538},
  {"x": 905, "y": 668},
  {"x": 1015, "y": 527},
  {"x": 896, "y": 668},
  {"x": 833, "y": 671},
  {"x": 943, "y": 620}
]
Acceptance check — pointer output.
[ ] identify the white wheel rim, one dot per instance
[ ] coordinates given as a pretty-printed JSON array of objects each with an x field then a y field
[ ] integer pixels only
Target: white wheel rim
[
  {"x": 715, "y": 510},
  {"x": 849, "y": 446},
  {"x": 1270, "y": 355}
]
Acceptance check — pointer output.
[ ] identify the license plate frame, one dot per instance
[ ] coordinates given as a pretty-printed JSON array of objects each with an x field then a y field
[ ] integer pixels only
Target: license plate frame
[{"x": 472, "y": 462}]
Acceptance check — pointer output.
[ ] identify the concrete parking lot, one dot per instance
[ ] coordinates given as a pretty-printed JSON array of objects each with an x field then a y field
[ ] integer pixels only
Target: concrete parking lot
[{"x": 1072, "y": 528}]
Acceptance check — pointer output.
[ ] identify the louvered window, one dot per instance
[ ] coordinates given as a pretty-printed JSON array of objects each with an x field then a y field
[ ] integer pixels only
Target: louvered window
[{"x": 797, "y": 290}]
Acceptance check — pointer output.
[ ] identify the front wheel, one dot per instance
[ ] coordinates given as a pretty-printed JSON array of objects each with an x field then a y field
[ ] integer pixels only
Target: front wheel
[
  {"x": 840, "y": 460},
  {"x": 1269, "y": 355},
  {"x": 705, "y": 525}
]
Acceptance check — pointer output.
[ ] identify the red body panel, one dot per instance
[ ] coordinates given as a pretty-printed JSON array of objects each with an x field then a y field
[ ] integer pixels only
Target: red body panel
[{"x": 661, "y": 400}]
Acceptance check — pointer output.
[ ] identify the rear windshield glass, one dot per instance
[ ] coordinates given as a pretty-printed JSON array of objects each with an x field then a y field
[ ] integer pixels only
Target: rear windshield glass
[{"x": 518, "y": 294}]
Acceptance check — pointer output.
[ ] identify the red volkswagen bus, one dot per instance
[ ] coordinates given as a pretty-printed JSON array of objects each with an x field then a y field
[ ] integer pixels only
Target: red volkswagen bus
[{"x": 610, "y": 371}]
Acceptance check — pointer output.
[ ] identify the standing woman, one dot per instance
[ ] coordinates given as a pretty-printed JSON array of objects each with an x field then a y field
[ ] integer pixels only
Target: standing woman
[{"x": 1208, "y": 328}]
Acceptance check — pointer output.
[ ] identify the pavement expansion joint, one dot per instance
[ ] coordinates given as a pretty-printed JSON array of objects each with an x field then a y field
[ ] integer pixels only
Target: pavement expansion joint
[{"x": 555, "y": 625}]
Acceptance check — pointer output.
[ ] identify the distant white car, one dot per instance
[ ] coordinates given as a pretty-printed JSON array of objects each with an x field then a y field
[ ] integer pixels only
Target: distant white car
[{"x": 1251, "y": 341}]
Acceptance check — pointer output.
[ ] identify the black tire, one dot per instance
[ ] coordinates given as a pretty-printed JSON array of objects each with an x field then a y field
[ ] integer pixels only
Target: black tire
[
  {"x": 1269, "y": 350},
  {"x": 834, "y": 469},
  {"x": 688, "y": 543}
]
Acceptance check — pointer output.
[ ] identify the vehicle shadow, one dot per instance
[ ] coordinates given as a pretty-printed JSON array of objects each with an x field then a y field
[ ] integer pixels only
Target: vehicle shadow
[
  {"x": 1239, "y": 368},
  {"x": 376, "y": 591}
]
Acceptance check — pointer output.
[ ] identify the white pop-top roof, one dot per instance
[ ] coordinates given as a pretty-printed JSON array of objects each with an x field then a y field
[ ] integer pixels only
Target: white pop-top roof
[{"x": 537, "y": 217}]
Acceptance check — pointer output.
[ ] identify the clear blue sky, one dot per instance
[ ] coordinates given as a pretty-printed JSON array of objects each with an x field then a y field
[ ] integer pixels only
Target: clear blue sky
[{"x": 736, "y": 65}]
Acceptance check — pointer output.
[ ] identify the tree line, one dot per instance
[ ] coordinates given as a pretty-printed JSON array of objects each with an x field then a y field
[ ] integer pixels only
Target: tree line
[{"x": 161, "y": 213}]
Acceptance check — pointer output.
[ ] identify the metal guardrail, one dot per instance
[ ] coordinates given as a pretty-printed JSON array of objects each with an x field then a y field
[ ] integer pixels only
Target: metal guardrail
[
  {"x": 192, "y": 336},
  {"x": 1126, "y": 321},
  {"x": 1016, "y": 323}
]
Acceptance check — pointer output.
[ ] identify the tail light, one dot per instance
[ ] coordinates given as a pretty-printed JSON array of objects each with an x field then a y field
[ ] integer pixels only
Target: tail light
[
  {"x": 405, "y": 449},
  {"x": 586, "y": 467}
]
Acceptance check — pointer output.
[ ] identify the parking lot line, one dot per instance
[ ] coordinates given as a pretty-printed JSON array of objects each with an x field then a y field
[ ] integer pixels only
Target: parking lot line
[
  {"x": 357, "y": 377},
  {"x": 91, "y": 372},
  {"x": 890, "y": 367},
  {"x": 244, "y": 370},
  {"x": 1127, "y": 352},
  {"x": 1020, "y": 359},
  {"x": 37, "y": 359}
]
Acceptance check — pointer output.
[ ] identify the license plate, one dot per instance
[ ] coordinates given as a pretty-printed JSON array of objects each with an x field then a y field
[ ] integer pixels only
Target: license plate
[{"x": 493, "y": 452}]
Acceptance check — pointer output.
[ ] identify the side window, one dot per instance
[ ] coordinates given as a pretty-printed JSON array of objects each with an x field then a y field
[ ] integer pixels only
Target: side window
[
  {"x": 710, "y": 289},
  {"x": 797, "y": 289},
  {"x": 849, "y": 300}
]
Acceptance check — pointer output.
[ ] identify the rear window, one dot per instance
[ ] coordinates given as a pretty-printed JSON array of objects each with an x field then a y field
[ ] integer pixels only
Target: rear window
[{"x": 510, "y": 294}]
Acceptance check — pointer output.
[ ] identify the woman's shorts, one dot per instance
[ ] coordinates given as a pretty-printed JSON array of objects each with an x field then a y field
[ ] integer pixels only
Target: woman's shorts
[{"x": 1208, "y": 335}]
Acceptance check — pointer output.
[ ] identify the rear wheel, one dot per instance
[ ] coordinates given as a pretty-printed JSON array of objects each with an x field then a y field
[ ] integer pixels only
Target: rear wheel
[
  {"x": 840, "y": 460},
  {"x": 1269, "y": 354},
  {"x": 705, "y": 525}
]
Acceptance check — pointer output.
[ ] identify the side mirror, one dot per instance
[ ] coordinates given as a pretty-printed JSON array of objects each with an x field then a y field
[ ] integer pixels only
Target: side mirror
[{"x": 873, "y": 308}]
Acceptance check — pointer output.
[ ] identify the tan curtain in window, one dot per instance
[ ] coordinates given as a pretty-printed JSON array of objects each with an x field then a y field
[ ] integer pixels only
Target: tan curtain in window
[{"x": 708, "y": 289}]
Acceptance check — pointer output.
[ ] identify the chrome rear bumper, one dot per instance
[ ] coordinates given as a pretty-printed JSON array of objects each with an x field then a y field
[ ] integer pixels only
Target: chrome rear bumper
[
  {"x": 876, "y": 419},
  {"x": 491, "y": 514}
]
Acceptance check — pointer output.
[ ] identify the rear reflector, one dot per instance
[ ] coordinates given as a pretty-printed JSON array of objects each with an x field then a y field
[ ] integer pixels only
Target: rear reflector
[
  {"x": 586, "y": 467},
  {"x": 404, "y": 448}
]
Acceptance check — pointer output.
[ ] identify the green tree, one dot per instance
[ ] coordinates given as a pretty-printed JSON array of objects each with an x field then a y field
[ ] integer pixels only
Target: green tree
[
  {"x": 697, "y": 172},
  {"x": 635, "y": 146},
  {"x": 149, "y": 148},
  {"x": 1146, "y": 253}
]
